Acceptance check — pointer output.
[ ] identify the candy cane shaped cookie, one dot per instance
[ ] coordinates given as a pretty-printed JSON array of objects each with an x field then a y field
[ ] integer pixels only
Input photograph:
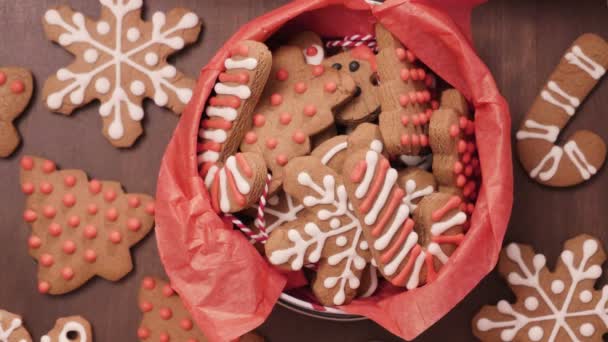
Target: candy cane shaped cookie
[
  {"x": 583, "y": 153},
  {"x": 234, "y": 180}
]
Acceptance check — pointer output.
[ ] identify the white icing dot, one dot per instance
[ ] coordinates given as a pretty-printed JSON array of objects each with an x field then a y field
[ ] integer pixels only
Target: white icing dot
[
  {"x": 334, "y": 223},
  {"x": 103, "y": 27},
  {"x": 557, "y": 286},
  {"x": 151, "y": 58},
  {"x": 536, "y": 333},
  {"x": 274, "y": 200},
  {"x": 585, "y": 296},
  {"x": 363, "y": 245},
  {"x": 91, "y": 55},
  {"x": 531, "y": 303},
  {"x": 587, "y": 329},
  {"x": 102, "y": 85},
  {"x": 133, "y": 34},
  {"x": 138, "y": 88},
  {"x": 341, "y": 241}
]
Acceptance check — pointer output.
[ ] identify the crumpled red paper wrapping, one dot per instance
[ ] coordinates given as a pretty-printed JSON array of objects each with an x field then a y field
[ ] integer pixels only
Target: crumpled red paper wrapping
[{"x": 229, "y": 288}]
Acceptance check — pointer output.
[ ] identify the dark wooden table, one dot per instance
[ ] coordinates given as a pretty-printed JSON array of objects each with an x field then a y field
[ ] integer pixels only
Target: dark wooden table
[{"x": 521, "y": 41}]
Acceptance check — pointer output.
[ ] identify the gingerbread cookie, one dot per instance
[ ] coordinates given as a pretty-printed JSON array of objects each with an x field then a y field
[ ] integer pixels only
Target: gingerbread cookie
[
  {"x": 74, "y": 328},
  {"x": 562, "y": 305},
  {"x": 120, "y": 60},
  {"x": 80, "y": 228},
  {"x": 578, "y": 72},
  {"x": 329, "y": 233},
  {"x": 12, "y": 329},
  {"x": 417, "y": 184},
  {"x": 16, "y": 87},
  {"x": 360, "y": 63},
  {"x": 297, "y": 103},
  {"x": 384, "y": 210},
  {"x": 404, "y": 97}
]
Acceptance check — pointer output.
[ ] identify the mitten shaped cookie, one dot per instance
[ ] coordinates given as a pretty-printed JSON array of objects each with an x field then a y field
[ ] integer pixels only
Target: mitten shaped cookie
[
  {"x": 235, "y": 181},
  {"x": 584, "y": 152},
  {"x": 404, "y": 97},
  {"x": 297, "y": 103},
  {"x": 329, "y": 233},
  {"x": 120, "y": 60},
  {"x": 16, "y": 87},
  {"x": 80, "y": 228}
]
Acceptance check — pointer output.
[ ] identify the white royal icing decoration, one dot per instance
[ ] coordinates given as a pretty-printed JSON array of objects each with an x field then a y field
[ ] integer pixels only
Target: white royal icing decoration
[
  {"x": 247, "y": 63},
  {"x": 571, "y": 102},
  {"x": 76, "y": 31},
  {"x": 5, "y": 334},
  {"x": 579, "y": 160},
  {"x": 317, "y": 59},
  {"x": 554, "y": 156},
  {"x": 71, "y": 326},
  {"x": 588, "y": 65},
  {"x": 548, "y": 132}
]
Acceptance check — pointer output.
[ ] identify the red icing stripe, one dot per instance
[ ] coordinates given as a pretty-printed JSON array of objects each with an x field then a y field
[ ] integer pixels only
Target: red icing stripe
[
  {"x": 388, "y": 211},
  {"x": 243, "y": 165},
  {"x": 397, "y": 245},
  {"x": 225, "y": 101},
  {"x": 431, "y": 274},
  {"x": 367, "y": 203},
  {"x": 451, "y": 239},
  {"x": 215, "y": 189},
  {"x": 217, "y": 123},
  {"x": 241, "y": 77},
  {"x": 238, "y": 197},
  {"x": 453, "y": 203},
  {"x": 357, "y": 175},
  {"x": 209, "y": 145},
  {"x": 400, "y": 279}
]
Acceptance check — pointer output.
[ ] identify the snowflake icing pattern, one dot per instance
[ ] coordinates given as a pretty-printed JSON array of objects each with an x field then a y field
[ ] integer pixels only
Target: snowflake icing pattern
[
  {"x": 552, "y": 306},
  {"x": 120, "y": 60}
]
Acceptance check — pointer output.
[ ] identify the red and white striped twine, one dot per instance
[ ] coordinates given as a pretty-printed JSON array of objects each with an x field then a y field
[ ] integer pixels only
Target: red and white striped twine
[
  {"x": 353, "y": 41},
  {"x": 260, "y": 222}
]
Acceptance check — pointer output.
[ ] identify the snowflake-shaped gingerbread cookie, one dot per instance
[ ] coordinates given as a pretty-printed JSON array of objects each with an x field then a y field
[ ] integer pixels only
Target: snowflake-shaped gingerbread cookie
[
  {"x": 551, "y": 306},
  {"x": 120, "y": 60}
]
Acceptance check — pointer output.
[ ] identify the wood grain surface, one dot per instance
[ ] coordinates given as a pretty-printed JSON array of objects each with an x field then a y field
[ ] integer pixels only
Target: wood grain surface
[{"x": 521, "y": 41}]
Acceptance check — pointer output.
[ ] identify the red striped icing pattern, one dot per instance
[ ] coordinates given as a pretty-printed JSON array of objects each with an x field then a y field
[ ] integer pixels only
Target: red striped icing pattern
[{"x": 229, "y": 183}]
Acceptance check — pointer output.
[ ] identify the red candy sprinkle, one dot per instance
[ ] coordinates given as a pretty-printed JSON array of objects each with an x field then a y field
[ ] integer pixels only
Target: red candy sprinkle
[
  {"x": 404, "y": 100},
  {"x": 46, "y": 260},
  {"x": 90, "y": 255},
  {"x": 331, "y": 87},
  {"x": 299, "y": 137},
  {"x": 405, "y": 74},
  {"x": 259, "y": 120},
  {"x": 30, "y": 215},
  {"x": 146, "y": 306},
  {"x": 458, "y": 168},
  {"x": 167, "y": 291},
  {"x": 285, "y": 118},
  {"x": 405, "y": 140},
  {"x": 90, "y": 232},
  {"x": 134, "y": 201},
  {"x": 74, "y": 221},
  {"x": 165, "y": 313},
  {"x": 276, "y": 99},
  {"x": 300, "y": 87},
  {"x": 251, "y": 138},
  {"x": 281, "y": 159},
  {"x": 109, "y": 195},
  {"x": 44, "y": 287},
  {"x": 149, "y": 283},
  {"x": 69, "y": 200},
  {"x": 424, "y": 140},
  {"x": 150, "y": 208},
  {"x": 48, "y": 166},
  {"x": 49, "y": 211},
  {"x": 112, "y": 214},
  {"x": 46, "y": 187},
  {"x": 67, "y": 273},
  {"x": 69, "y": 247},
  {"x": 310, "y": 110},
  {"x": 311, "y": 51},
  {"x": 410, "y": 56},
  {"x": 401, "y": 54},
  {"x": 27, "y": 188},
  {"x": 17, "y": 87},
  {"x": 454, "y": 131},
  {"x": 271, "y": 143},
  {"x": 282, "y": 75},
  {"x": 318, "y": 70},
  {"x": 133, "y": 224},
  {"x": 143, "y": 333},
  {"x": 115, "y": 237},
  {"x": 186, "y": 324},
  {"x": 94, "y": 186},
  {"x": 69, "y": 181},
  {"x": 34, "y": 242},
  {"x": 27, "y": 163},
  {"x": 92, "y": 209},
  {"x": 405, "y": 120},
  {"x": 55, "y": 229},
  {"x": 415, "y": 140}
]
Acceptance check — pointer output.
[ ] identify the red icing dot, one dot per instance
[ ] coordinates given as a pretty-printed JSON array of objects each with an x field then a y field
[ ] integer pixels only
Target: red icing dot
[
  {"x": 69, "y": 181},
  {"x": 69, "y": 247},
  {"x": 164, "y": 337},
  {"x": 27, "y": 163},
  {"x": 282, "y": 75},
  {"x": 423, "y": 118},
  {"x": 90, "y": 255},
  {"x": 415, "y": 120},
  {"x": 271, "y": 143},
  {"x": 109, "y": 195},
  {"x": 318, "y": 70},
  {"x": 74, "y": 221},
  {"x": 165, "y": 313},
  {"x": 458, "y": 168},
  {"x": 92, "y": 209},
  {"x": 435, "y": 104},
  {"x": 412, "y": 97},
  {"x": 55, "y": 229},
  {"x": 330, "y": 87},
  {"x": 27, "y": 188},
  {"x": 400, "y": 53},
  {"x": 259, "y": 120},
  {"x": 405, "y": 120},
  {"x": 415, "y": 140},
  {"x": 150, "y": 208},
  {"x": 134, "y": 201},
  {"x": 146, "y": 306},
  {"x": 410, "y": 56},
  {"x": 133, "y": 224},
  {"x": 468, "y": 171},
  {"x": 462, "y": 146},
  {"x": 454, "y": 130},
  {"x": 471, "y": 147},
  {"x": 112, "y": 214},
  {"x": 424, "y": 140},
  {"x": 115, "y": 237},
  {"x": 466, "y": 158},
  {"x": 94, "y": 186},
  {"x": 311, "y": 51},
  {"x": 46, "y": 260},
  {"x": 44, "y": 287},
  {"x": 404, "y": 100},
  {"x": 299, "y": 137},
  {"x": 46, "y": 187},
  {"x": 461, "y": 180},
  {"x": 282, "y": 159},
  {"x": 34, "y": 242},
  {"x": 300, "y": 87},
  {"x": 405, "y": 74},
  {"x": 251, "y": 138},
  {"x": 310, "y": 110},
  {"x": 167, "y": 291},
  {"x": 421, "y": 74},
  {"x": 2, "y": 78},
  {"x": 143, "y": 333},
  {"x": 67, "y": 273},
  {"x": 186, "y": 324},
  {"x": 48, "y": 166},
  {"x": 276, "y": 99},
  {"x": 69, "y": 200},
  {"x": 49, "y": 211},
  {"x": 90, "y": 232},
  {"x": 405, "y": 139},
  {"x": 17, "y": 87},
  {"x": 414, "y": 75},
  {"x": 149, "y": 283},
  {"x": 30, "y": 215},
  {"x": 285, "y": 118}
]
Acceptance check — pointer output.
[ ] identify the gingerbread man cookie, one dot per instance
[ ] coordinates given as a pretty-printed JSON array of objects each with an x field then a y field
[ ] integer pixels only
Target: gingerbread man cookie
[
  {"x": 298, "y": 102},
  {"x": 12, "y": 329},
  {"x": 311, "y": 46},
  {"x": 16, "y": 87},
  {"x": 404, "y": 97},
  {"x": 234, "y": 181},
  {"x": 120, "y": 60},
  {"x": 584, "y": 152},
  {"x": 80, "y": 228},
  {"x": 559, "y": 305}
]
